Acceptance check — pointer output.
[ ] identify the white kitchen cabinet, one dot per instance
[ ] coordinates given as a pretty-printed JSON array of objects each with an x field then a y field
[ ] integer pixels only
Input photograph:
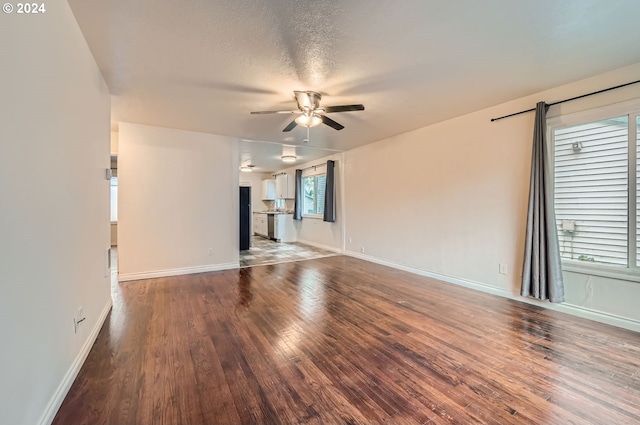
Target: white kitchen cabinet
[
  {"x": 283, "y": 227},
  {"x": 268, "y": 190},
  {"x": 260, "y": 225},
  {"x": 284, "y": 230},
  {"x": 285, "y": 186}
]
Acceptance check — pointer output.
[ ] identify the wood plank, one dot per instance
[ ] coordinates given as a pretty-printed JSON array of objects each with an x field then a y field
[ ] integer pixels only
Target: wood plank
[{"x": 341, "y": 340}]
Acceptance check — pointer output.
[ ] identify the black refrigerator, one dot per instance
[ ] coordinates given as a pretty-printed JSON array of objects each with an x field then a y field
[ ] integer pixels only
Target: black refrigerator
[{"x": 245, "y": 218}]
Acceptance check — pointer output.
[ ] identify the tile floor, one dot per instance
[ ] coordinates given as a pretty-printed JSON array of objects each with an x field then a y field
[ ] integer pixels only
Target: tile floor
[{"x": 264, "y": 251}]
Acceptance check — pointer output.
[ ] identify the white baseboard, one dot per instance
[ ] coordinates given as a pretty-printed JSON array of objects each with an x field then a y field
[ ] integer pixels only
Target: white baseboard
[
  {"x": 176, "y": 272},
  {"x": 586, "y": 313},
  {"x": 62, "y": 390},
  {"x": 321, "y": 246},
  {"x": 574, "y": 310}
]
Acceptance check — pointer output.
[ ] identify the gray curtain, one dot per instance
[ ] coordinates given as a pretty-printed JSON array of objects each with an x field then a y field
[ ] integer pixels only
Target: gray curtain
[
  {"x": 330, "y": 194},
  {"x": 542, "y": 270},
  {"x": 297, "y": 208}
]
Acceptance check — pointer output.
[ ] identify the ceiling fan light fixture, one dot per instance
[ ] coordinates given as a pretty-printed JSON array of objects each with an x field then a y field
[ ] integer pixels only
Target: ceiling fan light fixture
[
  {"x": 308, "y": 120},
  {"x": 312, "y": 113},
  {"x": 288, "y": 158}
]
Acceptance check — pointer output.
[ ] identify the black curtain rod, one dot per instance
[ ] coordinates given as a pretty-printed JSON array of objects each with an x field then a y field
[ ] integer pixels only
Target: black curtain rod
[
  {"x": 314, "y": 167},
  {"x": 304, "y": 169},
  {"x": 567, "y": 100}
]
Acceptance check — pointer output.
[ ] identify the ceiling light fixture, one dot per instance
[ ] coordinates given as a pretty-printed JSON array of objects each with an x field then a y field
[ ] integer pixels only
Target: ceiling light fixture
[
  {"x": 247, "y": 168},
  {"x": 309, "y": 120},
  {"x": 288, "y": 158}
]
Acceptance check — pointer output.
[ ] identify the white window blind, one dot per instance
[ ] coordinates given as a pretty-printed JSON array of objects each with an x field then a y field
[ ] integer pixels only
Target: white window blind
[
  {"x": 591, "y": 191},
  {"x": 114, "y": 199},
  {"x": 321, "y": 184}
]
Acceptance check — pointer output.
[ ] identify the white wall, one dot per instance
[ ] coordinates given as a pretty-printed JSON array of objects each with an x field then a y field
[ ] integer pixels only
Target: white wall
[
  {"x": 178, "y": 198},
  {"x": 450, "y": 200},
  {"x": 54, "y": 219},
  {"x": 114, "y": 143},
  {"x": 314, "y": 231}
]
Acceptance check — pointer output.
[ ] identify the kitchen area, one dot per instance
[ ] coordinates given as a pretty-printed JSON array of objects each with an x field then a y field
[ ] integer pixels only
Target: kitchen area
[
  {"x": 276, "y": 222},
  {"x": 273, "y": 238}
]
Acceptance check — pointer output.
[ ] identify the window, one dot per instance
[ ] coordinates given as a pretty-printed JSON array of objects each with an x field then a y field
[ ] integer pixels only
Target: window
[
  {"x": 313, "y": 193},
  {"x": 596, "y": 189},
  {"x": 114, "y": 199}
]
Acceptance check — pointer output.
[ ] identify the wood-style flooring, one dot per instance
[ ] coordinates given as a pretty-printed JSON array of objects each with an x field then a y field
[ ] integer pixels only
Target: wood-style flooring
[{"x": 340, "y": 340}]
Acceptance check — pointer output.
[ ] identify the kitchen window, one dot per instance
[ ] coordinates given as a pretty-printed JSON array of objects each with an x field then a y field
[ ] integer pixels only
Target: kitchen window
[
  {"x": 313, "y": 195},
  {"x": 596, "y": 190}
]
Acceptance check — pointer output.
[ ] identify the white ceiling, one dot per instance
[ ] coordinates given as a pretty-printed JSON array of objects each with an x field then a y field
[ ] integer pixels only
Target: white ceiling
[{"x": 203, "y": 65}]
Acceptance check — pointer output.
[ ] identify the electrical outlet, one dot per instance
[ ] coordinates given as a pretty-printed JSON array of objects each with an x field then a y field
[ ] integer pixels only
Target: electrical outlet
[
  {"x": 362, "y": 249},
  {"x": 502, "y": 268},
  {"x": 350, "y": 240},
  {"x": 210, "y": 251}
]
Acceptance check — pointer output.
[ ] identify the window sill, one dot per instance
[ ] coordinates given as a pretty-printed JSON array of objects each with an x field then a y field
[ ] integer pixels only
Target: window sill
[
  {"x": 314, "y": 216},
  {"x": 632, "y": 275}
]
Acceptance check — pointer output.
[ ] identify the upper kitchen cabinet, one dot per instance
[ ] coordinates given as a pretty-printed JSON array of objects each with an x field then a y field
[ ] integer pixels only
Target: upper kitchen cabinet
[
  {"x": 268, "y": 190},
  {"x": 285, "y": 186}
]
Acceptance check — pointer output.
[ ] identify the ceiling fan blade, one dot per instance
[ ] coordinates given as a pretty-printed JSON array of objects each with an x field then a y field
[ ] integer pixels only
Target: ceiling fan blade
[
  {"x": 291, "y": 126},
  {"x": 331, "y": 123},
  {"x": 344, "y": 108},
  {"x": 275, "y": 112}
]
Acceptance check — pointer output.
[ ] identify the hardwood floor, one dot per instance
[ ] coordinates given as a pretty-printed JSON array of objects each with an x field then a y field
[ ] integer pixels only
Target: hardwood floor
[{"x": 340, "y": 340}]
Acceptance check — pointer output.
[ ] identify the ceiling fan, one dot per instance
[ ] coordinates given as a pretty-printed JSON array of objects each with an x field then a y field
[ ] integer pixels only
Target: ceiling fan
[{"x": 312, "y": 113}]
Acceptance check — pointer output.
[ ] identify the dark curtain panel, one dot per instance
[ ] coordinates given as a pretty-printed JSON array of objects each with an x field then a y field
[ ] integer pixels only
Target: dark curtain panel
[
  {"x": 542, "y": 271},
  {"x": 330, "y": 194},
  {"x": 297, "y": 209}
]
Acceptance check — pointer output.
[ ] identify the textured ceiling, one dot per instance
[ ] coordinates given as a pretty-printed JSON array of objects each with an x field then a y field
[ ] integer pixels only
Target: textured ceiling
[{"x": 203, "y": 65}]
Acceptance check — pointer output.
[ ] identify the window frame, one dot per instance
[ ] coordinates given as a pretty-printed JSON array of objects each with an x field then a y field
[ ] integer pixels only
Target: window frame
[
  {"x": 315, "y": 173},
  {"x": 631, "y": 109}
]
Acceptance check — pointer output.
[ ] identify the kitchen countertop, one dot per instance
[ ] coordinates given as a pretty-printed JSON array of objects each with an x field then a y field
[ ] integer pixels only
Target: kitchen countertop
[{"x": 272, "y": 212}]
